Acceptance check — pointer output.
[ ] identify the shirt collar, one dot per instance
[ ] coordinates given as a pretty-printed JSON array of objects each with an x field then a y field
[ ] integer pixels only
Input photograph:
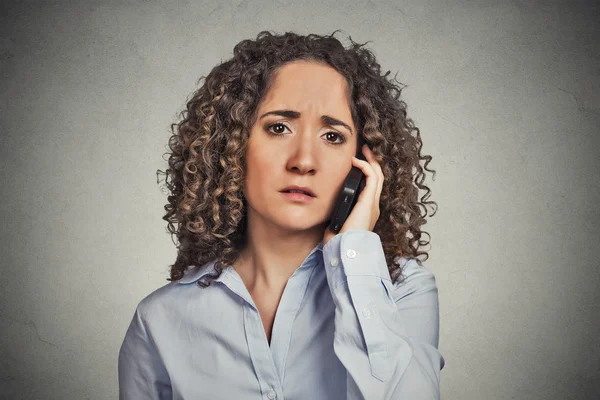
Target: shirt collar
[{"x": 199, "y": 271}]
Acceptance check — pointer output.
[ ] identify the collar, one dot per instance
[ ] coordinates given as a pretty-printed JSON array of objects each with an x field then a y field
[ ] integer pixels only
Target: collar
[{"x": 199, "y": 271}]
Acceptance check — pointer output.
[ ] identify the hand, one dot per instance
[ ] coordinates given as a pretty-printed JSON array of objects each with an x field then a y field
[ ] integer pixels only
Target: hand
[{"x": 365, "y": 213}]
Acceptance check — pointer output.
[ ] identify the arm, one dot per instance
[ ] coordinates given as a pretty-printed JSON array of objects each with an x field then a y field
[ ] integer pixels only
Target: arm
[
  {"x": 142, "y": 374},
  {"x": 386, "y": 334}
]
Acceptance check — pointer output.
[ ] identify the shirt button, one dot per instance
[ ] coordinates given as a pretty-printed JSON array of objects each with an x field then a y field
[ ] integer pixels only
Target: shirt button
[
  {"x": 271, "y": 395},
  {"x": 334, "y": 262},
  {"x": 351, "y": 253},
  {"x": 366, "y": 312}
]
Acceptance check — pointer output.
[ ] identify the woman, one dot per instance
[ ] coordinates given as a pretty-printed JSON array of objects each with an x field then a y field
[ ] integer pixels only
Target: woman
[{"x": 264, "y": 300}]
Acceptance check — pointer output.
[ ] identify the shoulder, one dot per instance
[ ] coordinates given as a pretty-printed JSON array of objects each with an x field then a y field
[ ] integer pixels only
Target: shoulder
[
  {"x": 416, "y": 278},
  {"x": 417, "y": 302},
  {"x": 176, "y": 293},
  {"x": 159, "y": 300}
]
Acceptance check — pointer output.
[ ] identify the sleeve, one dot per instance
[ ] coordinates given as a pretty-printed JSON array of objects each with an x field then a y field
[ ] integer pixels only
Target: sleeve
[
  {"x": 142, "y": 374},
  {"x": 386, "y": 334}
]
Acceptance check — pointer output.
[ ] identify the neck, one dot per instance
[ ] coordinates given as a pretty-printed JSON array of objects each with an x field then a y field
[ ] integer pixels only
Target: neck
[{"x": 271, "y": 254}]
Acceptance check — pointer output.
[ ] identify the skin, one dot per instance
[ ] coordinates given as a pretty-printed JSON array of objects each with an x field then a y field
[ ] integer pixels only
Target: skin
[{"x": 281, "y": 233}]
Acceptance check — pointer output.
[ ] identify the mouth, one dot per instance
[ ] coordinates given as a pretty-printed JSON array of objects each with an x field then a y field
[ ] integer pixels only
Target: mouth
[
  {"x": 297, "y": 197},
  {"x": 298, "y": 190}
]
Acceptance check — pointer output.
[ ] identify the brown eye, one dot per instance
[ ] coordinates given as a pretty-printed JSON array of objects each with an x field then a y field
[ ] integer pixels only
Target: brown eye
[
  {"x": 342, "y": 139},
  {"x": 281, "y": 127},
  {"x": 277, "y": 125}
]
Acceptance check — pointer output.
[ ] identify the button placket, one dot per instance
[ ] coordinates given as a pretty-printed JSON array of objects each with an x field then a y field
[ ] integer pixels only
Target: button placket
[{"x": 260, "y": 353}]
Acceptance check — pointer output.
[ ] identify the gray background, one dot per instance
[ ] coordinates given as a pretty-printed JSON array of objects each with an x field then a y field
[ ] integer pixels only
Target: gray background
[{"x": 507, "y": 98}]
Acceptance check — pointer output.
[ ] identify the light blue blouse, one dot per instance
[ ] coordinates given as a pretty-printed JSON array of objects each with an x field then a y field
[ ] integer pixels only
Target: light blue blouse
[{"x": 343, "y": 330}]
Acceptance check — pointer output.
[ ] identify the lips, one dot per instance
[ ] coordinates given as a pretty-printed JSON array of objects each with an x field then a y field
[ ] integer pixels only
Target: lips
[{"x": 300, "y": 189}]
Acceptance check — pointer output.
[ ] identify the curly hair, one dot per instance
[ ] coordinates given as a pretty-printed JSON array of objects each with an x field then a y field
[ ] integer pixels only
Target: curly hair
[{"x": 206, "y": 208}]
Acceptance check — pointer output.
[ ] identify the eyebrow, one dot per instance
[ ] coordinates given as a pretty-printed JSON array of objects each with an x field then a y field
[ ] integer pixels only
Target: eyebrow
[{"x": 326, "y": 119}]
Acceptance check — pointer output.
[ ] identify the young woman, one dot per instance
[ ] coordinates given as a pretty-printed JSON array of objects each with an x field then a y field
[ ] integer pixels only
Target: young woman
[{"x": 265, "y": 301}]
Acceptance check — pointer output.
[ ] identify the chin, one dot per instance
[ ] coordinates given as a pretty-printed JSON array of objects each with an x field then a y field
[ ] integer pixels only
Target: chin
[{"x": 302, "y": 224}]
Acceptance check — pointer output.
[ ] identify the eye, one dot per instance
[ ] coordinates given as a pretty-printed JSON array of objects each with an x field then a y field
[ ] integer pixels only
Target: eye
[
  {"x": 342, "y": 138},
  {"x": 278, "y": 125},
  {"x": 281, "y": 127}
]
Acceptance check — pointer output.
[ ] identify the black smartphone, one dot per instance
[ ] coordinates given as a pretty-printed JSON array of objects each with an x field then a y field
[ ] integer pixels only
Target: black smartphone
[{"x": 348, "y": 196}]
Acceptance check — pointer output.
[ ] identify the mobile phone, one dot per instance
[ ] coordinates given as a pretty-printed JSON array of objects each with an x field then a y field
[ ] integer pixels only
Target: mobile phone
[{"x": 348, "y": 196}]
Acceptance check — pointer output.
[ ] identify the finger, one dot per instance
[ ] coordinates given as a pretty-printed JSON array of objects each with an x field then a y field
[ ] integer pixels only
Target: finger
[
  {"x": 371, "y": 177},
  {"x": 377, "y": 168}
]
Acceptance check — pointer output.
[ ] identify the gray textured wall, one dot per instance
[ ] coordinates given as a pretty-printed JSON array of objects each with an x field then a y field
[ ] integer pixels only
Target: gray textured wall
[{"x": 506, "y": 95}]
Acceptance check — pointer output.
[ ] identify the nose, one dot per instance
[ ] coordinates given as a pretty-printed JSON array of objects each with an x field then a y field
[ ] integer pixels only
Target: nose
[{"x": 303, "y": 157}]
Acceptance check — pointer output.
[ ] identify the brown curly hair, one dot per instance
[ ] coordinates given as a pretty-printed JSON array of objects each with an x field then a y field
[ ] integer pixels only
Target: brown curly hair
[{"x": 206, "y": 208}]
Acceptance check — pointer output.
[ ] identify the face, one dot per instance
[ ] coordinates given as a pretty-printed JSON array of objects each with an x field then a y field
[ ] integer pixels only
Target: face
[{"x": 301, "y": 148}]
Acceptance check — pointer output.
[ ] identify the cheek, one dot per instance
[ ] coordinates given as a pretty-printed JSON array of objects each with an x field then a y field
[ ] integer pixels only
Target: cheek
[
  {"x": 260, "y": 171},
  {"x": 336, "y": 178},
  {"x": 261, "y": 154}
]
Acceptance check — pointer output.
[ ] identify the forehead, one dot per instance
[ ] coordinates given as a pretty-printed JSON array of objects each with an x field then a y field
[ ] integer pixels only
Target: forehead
[{"x": 304, "y": 83}]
